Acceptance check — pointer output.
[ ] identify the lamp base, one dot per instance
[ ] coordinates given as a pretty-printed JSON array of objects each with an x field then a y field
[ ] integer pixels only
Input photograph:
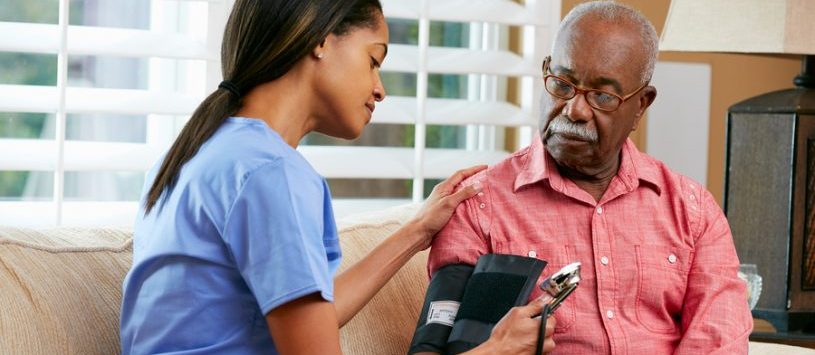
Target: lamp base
[
  {"x": 770, "y": 200},
  {"x": 807, "y": 77}
]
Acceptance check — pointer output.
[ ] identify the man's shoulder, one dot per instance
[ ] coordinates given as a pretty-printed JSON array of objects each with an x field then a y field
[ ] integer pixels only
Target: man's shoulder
[
  {"x": 502, "y": 173},
  {"x": 658, "y": 172}
]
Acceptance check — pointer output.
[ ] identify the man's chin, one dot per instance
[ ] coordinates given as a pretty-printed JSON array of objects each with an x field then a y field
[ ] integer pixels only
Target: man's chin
[{"x": 568, "y": 152}]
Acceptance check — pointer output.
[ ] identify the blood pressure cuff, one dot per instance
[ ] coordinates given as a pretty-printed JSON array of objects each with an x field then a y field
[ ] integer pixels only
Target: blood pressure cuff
[
  {"x": 463, "y": 303},
  {"x": 441, "y": 304},
  {"x": 498, "y": 283}
]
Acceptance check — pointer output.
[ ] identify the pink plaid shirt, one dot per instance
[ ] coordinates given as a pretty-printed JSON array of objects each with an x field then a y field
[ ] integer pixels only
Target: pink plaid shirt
[{"x": 658, "y": 262}]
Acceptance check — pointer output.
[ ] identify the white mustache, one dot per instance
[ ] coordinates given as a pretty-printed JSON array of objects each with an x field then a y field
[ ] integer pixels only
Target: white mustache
[{"x": 562, "y": 125}]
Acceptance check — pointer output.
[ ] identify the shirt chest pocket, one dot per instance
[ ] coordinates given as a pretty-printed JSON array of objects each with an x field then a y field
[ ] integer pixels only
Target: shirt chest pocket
[{"x": 661, "y": 283}]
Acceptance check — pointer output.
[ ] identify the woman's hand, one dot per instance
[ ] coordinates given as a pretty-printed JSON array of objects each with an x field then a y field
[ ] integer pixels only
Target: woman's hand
[
  {"x": 441, "y": 203},
  {"x": 517, "y": 332}
]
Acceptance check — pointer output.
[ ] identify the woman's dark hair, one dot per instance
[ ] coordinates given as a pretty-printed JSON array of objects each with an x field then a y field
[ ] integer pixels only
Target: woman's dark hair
[{"x": 262, "y": 41}]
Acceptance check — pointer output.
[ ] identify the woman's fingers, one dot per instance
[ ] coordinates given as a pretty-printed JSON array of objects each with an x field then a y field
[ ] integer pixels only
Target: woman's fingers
[{"x": 462, "y": 174}]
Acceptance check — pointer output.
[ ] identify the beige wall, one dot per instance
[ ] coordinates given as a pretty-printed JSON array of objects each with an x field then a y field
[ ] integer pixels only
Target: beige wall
[{"x": 735, "y": 77}]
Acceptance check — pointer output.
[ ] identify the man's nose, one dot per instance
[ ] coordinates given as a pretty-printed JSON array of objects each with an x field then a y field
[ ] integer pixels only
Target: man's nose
[{"x": 578, "y": 109}]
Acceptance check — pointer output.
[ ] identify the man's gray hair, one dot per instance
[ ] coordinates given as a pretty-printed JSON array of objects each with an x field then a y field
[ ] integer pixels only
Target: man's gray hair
[{"x": 610, "y": 11}]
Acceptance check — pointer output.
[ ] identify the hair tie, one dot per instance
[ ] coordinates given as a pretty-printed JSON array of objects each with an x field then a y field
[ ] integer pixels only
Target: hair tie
[{"x": 229, "y": 86}]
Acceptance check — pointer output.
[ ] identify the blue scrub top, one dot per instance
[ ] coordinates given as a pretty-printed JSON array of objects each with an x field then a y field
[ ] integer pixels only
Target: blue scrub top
[{"x": 247, "y": 227}]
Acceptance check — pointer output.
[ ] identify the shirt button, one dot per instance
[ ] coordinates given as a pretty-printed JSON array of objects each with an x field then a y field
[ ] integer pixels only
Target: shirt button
[
  {"x": 480, "y": 194},
  {"x": 482, "y": 205},
  {"x": 692, "y": 197},
  {"x": 671, "y": 258},
  {"x": 532, "y": 254},
  {"x": 610, "y": 314},
  {"x": 599, "y": 210},
  {"x": 604, "y": 260}
]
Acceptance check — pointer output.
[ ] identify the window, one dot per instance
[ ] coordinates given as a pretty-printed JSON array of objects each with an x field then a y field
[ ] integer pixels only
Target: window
[
  {"x": 93, "y": 92},
  {"x": 463, "y": 83}
]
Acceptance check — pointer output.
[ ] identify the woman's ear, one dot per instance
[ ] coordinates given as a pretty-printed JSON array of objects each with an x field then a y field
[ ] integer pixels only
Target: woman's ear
[{"x": 319, "y": 51}]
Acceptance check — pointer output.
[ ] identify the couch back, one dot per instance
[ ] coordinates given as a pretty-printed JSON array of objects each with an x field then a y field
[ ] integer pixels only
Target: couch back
[
  {"x": 61, "y": 289},
  {"x": 386, "y": 324}
]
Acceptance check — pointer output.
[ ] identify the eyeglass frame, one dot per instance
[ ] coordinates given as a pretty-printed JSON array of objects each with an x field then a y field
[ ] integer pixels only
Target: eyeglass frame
[{"x": 578, "y": 90}]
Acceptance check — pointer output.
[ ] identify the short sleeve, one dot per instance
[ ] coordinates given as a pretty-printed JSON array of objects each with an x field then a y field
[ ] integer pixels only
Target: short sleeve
[
  {"x": 461, "y": 241},
  {"x": 275, "y": 232}
]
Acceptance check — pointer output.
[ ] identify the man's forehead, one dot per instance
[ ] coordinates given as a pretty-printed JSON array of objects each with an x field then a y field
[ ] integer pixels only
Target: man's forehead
[
  {"x": 600, "y": 58},
  {"x": 590, "y": 73}
]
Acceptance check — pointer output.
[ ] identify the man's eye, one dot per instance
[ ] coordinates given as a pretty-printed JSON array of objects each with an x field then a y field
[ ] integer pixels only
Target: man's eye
[
  {"x": 374, "y": 63},
  {"x": 562, "y": 86},
  {"x": 603, "y": 97}
]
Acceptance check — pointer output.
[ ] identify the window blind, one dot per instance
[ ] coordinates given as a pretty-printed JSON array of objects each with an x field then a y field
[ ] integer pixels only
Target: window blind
[{"x": 174, "y": 60}]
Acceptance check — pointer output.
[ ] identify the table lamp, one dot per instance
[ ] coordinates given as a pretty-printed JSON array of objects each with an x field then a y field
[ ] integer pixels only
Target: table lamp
[{"x": 770, "y": 149}]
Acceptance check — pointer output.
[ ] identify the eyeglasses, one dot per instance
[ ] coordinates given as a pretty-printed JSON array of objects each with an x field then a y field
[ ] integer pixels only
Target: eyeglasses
[{"x": 599, "y": 99}]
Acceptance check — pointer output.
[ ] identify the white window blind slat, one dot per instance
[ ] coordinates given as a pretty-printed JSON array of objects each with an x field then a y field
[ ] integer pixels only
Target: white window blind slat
[
  {"x": 402, "y": 110},
  {"x": 391, "y": 162},
  {"x": 29, "y": 98},
  {"x": 79, "y": 155},
  {"x": 360, "y": 162},
  {"x": 466, "y": 61},
  {"x": 91, "y": 40},
  {"x": 27, "y": 154},
  {"x": 74, "y": 213},
  {"x": 401, "y": 58},
  {"x": 441, "y": 163},
  {"x": 495, "y": 11},
  {"x": 444, "y": 60}
]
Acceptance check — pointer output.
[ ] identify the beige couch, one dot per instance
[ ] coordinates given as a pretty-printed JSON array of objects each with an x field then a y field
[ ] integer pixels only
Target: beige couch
[{"x": 60, "y": 290}]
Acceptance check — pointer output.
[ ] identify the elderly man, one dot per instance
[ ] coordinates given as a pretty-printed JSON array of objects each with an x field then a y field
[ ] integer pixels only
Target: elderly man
[{"x": 659, "y": 267}]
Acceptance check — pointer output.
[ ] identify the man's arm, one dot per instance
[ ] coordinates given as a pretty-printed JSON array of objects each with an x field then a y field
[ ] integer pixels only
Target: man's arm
[
  {"x": 715, "y": 316},
  {"x": 462, "y": 239}
]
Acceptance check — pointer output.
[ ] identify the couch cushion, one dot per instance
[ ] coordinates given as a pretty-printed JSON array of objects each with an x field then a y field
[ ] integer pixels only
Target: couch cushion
[{"x": 60, "y": 289}]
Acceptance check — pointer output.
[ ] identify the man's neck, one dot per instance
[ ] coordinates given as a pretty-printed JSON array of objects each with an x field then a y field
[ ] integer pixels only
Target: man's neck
[{"x": 594, "y": 181}]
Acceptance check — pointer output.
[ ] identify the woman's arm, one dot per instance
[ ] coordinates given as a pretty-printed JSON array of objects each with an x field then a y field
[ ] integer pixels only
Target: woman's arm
[
  {"x": 307, "y": 325},
  {"x": 357, "y": 285}
]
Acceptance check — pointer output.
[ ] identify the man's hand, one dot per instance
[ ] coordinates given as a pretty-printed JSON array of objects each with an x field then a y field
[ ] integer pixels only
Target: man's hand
[{"x": 441, "y": 203}]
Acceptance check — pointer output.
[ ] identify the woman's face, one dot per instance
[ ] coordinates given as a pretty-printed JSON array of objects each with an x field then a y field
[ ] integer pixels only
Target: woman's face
[{"x": 347, "y": 81}]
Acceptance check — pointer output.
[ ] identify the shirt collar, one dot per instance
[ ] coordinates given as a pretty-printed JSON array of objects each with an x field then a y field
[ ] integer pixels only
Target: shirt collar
[{"x": 634, "y": 167}]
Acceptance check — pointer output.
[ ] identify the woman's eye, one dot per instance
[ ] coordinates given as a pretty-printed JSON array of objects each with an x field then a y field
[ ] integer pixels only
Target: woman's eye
[{"x": 374, "y": 63}]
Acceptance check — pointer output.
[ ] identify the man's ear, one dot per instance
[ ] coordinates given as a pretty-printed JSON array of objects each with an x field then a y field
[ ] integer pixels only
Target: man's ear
[{"x": 649, "y": 94}]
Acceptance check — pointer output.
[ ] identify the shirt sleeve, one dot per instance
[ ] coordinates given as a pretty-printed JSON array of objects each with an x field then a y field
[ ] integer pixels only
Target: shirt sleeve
[
  {"x": 462, "y": 240},
  {"x": 274, "y": 231},
  {"x": 715, "y": 318}
]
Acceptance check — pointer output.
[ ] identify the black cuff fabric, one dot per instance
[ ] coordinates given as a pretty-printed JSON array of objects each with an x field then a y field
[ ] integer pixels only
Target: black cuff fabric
[
  {"x": 447, "y": 285},
  {"x": 498, "y": 283}
]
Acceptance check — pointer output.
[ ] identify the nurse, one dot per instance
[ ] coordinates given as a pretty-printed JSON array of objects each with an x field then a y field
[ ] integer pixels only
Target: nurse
[{"x": 235, "y": 246}]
